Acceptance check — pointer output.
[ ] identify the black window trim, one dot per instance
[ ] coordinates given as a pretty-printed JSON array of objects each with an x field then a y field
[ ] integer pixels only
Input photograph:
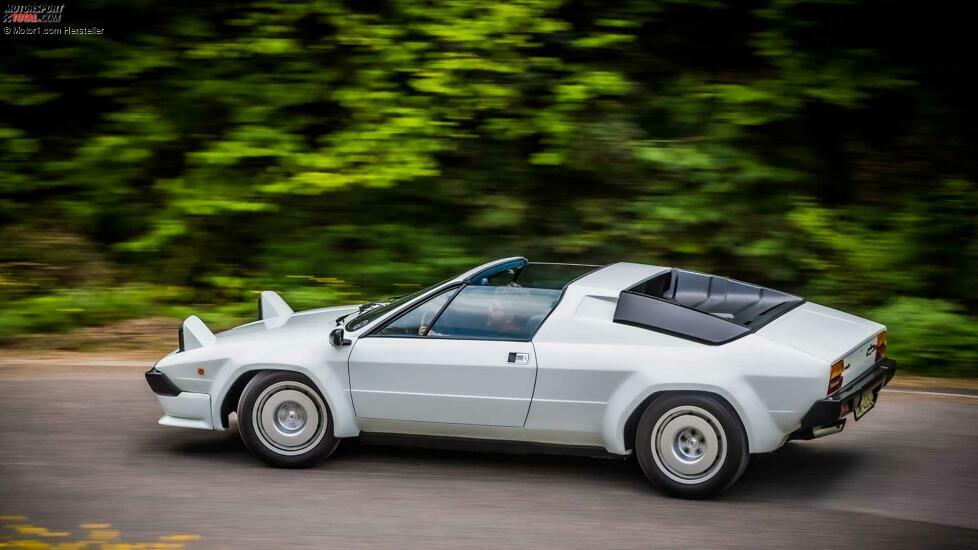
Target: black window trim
[
  {"x": 411, "y": 307},
  {"x": 442, "y": 309}
]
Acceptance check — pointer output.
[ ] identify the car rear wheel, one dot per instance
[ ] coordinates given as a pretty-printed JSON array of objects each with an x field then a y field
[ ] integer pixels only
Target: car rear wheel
[
  {"x": 284, "y": 420},
  {"x": 691, "y": 445}
]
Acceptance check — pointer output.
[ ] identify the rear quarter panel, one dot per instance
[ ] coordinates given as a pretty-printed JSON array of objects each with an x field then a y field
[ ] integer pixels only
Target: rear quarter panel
[
  {"x": 593, "y": 373},
  {"x": 828, "y": 334}
]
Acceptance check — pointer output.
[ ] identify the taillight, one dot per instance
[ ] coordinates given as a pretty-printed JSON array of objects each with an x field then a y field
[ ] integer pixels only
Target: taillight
[
  {"x": 880, "y": 345},
  {"x": 835, "y": 376}
]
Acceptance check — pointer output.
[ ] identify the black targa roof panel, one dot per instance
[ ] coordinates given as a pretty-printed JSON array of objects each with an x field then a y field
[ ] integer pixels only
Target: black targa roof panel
[{"x": 700, "y": 307}]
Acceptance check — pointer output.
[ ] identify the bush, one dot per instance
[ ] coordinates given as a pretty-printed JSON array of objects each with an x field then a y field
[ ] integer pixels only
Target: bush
[
  {"x": 930, "y": 336},
  {"x": 71, "y": 308},
  {"x": 66, "y": 309}
]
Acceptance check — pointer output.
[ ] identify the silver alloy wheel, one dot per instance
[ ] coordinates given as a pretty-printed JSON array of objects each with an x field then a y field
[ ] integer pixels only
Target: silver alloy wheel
[
  {"x": 289, "y": 418},
  {"x": 688, "y": 445}
]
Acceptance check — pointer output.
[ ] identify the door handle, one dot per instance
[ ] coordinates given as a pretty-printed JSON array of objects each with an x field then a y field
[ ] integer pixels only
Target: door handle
[{"x": 518, "y": 358}]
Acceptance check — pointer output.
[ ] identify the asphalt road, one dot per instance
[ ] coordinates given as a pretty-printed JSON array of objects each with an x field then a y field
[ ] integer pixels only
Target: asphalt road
[{"x": 82, "y": 458}]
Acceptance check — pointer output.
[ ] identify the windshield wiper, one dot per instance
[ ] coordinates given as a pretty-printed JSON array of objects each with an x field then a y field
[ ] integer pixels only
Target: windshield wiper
[{"x": 363, "y": 307}]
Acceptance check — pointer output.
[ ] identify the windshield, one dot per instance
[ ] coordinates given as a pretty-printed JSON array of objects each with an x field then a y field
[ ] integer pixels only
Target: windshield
[{"x": 375, "y": 310}]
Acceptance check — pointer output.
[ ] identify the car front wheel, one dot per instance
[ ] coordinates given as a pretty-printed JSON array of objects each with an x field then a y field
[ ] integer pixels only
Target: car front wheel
[
  {"x": 284, "y": 420},
  {"x": 691, "y": 445}
]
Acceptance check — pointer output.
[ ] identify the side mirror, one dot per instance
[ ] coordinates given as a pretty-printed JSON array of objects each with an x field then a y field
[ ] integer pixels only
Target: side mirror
[{"x": 336, "y": 338}]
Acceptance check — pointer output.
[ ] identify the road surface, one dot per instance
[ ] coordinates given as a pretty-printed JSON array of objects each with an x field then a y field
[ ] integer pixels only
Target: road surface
[{"x": 82, "y": 458}]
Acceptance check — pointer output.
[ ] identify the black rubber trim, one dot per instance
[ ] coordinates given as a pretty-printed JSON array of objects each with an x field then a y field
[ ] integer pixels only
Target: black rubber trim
[
  {"x": 828, "y": 411},
  {"x": 160, "y": 384},
  {"x": 181, "y": 345}
]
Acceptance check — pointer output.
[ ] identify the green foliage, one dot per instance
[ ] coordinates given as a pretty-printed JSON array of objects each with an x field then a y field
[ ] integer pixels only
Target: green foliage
[
  {"x": 940, "y": 339},
  {"x": 64, "y": 309},
  {"x": 340, "y": 151}
]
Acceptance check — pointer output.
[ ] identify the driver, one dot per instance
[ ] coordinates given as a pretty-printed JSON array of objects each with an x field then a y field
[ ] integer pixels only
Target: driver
[{"x": 501, "y": 319}]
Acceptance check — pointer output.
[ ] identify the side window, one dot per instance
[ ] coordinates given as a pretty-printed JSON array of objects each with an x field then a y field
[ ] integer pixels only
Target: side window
[
  {"x": 495, "y": 313},
  {"x": 417, "y": 321}
]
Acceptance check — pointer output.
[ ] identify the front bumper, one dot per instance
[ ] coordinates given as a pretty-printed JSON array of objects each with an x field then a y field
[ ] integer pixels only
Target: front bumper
[
  {"x": 828, "y": 415},
  {"x": 183, "y": 409}
]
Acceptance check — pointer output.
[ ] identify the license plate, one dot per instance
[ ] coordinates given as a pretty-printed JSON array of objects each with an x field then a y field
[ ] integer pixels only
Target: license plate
[{"x": 866, "y": 401}]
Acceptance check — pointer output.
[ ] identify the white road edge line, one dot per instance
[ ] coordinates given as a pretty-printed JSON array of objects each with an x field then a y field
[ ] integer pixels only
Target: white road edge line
[{"x": 942, "y": 394}]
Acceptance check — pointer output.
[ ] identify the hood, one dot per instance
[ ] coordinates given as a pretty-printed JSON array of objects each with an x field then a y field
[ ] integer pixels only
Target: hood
[{"x": 320, "y": 321}]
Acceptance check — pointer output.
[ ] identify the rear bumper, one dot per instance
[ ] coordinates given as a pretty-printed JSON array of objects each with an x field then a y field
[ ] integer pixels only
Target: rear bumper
[{"x": 828, "y": 415}]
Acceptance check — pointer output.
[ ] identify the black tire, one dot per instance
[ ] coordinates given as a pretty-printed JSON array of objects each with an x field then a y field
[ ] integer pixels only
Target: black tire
[
  {"x": 675, "y": 448},
  {"x": 291, "y": 437}
]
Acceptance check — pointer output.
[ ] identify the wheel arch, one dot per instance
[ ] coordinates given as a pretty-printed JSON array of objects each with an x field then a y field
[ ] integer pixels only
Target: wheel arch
[
  {"x": 329, "y": 385},
  {"x": 230, "y": 402},
  {"x": 627, "y": 433}
]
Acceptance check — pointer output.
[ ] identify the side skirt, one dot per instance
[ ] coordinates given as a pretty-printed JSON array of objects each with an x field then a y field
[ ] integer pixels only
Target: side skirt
[{"x": 484, "y": 445}]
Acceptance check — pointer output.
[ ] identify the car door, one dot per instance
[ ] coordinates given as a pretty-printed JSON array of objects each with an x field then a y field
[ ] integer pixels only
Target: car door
[{"x": 462, "y": 357}]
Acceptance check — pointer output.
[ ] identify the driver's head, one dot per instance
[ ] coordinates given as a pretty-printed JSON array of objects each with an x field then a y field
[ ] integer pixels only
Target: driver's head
[{"x": 500, "y": 311}]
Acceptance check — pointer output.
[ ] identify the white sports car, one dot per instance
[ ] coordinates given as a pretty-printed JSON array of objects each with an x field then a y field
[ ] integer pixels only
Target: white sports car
[{"x": 691, "y": 372}]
